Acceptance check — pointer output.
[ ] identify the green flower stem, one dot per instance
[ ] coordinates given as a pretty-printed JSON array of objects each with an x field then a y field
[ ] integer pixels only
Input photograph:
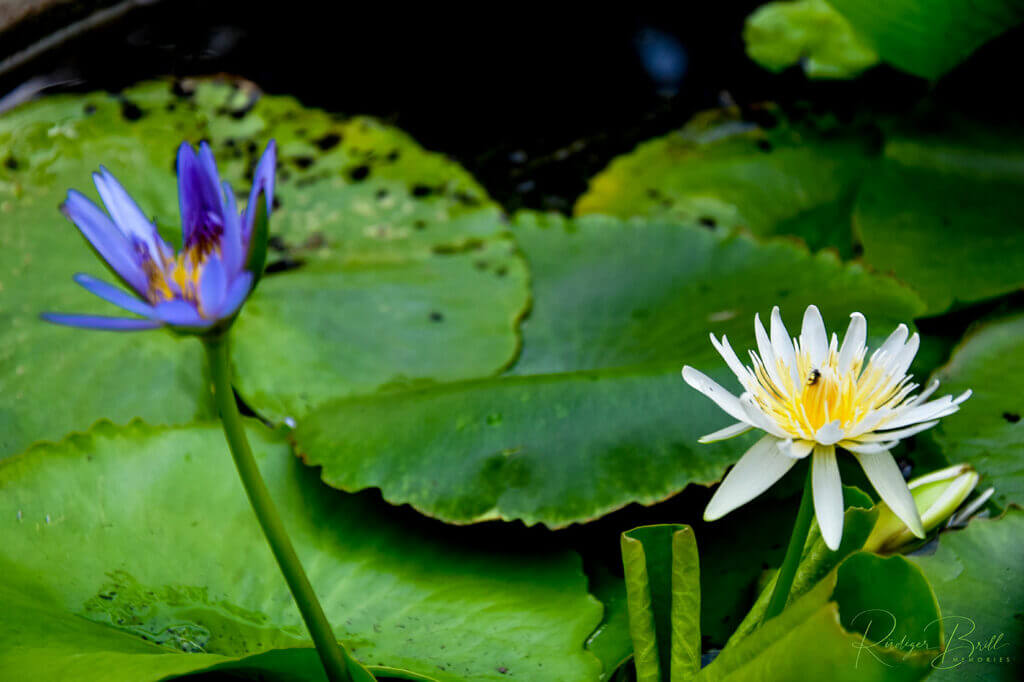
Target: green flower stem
[
  {"x": 784, "y": 581},
  {"x": 333, "y": 656}
]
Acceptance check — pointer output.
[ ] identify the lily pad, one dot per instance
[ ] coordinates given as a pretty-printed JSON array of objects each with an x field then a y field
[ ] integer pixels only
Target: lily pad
[
  {"x": 987, "y": 433},
  {"x": 765, "y": 173},
  {"x": 940, "y": 212},
  {"x": 829, "y": 633},
  {"x": 177, "y": 577},
  {"x": 407, "y": 255},
  {"x": 779, "y": 35},
  {"x": 929, "y": 37},
  {"x": 599, "y": 417},
  {"x": 975, "y": 575}
]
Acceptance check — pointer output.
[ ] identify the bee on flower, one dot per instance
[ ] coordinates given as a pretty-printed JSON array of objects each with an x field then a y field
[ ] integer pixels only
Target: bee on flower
[
  {"x": 811, "y": 395},
  {"x": 197, "y": 290}
]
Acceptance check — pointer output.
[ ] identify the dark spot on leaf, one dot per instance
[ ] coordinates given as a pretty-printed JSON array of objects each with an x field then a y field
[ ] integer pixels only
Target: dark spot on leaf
[
  {"x": 502, "y": 271},
  {"x": 303, "y": 162},
  {"x": 11, "y": 163},
  {"x": 315, "y": 240},
  {"x": 707, "y": 221},
  {"x": 130, "y": 111},
  {"x": 284, "y": 265},
  {"x": 89, "y": 109},
  {"x": 466, "y": 199},
  {"x": 327, "y": 142},
  {"x": 436, "y": 316},
  {"x": 392, "y": 156},
  {"x": 171, "y": 106},
  {"x": 419, "y": 224},
  {"x": 764, "y": 145},
  {"x": 783, "y": 293},
  {"x": 1011, "y": 417},
  {"x": 359, "y": 173},
  {"x": 420, "y": 191},
  {"x": 857, "y": 250},
  {"x": 382, "y": 193},
  {"x": 653, "y": 193},
  {"x": 480, "y": 265},
  {"x": 502, "y": 669}
]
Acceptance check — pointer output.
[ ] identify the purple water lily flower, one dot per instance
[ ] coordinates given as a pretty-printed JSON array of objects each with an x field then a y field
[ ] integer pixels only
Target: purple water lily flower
[{"x": 195, "y": 289}]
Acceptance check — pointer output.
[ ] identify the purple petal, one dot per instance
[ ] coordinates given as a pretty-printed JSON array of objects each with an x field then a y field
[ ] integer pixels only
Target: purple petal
[
  {"x": 213, "y": 286},
  {"x": 125, "y": 212},
  {"x": 180, "y": 314},
  {"x": 114, "y": 295},
  {"x": 112, "y": 246},
  {"x": 262, "y": 183},
  {"x": 101, "y": 322},
  {"x": 237, "y": 293},
  {"x": 199, "y": 197},
  {"x": 231, "y": 246}
]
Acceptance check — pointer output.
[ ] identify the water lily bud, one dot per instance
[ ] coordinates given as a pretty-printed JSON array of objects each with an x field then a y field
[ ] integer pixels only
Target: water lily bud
[{"x": 936, "y": 495}]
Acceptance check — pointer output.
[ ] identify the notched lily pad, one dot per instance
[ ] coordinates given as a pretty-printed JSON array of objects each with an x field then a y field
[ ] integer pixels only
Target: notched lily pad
[
  {"x": 596, "y": 416},
  {"x": 384, "y": 231},
  {"x": 177, "y": 577},
  {"x": 759, "y": 169}
]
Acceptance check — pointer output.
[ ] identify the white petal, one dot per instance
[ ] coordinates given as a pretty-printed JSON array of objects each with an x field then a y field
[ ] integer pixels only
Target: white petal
[
  {"x": 727, "y": 353},
  {"x": 884, "y": 474},
  {"x": 813, "y": 337},
  {"x": 800, "y": 448},
  {"x": 783, "y": 346},
  {"x": 885, "y": 353},
  {"x": 869, "y": 422},
  {"x": 755, "y": 416},
  {"x": 712, "y": 389},
  {"x": 936, "y": 409},
  {"x": 830, "y": 433},
  {"x": 728, "y": 432},
  {"x": 828, "y": 494},
  {"x": 853, "y": 342},
  {"x": 926, "y": 393},
  {"x": 759, "y": 468},
  {"x": 768, "y": 358},
  {"x": 898, "y": 434},
  {"x": 867, "y": 448},
  {"x": 901, "y": 363}
]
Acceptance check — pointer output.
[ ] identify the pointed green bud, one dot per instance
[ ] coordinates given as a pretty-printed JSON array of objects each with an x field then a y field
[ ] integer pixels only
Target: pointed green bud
[{"x": 937, "y": 496}]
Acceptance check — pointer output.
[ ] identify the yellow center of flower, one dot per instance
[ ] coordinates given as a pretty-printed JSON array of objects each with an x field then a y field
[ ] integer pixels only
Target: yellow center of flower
[
  {"x": 178, "y": 277},
  {"x": 824, "y": 393}
]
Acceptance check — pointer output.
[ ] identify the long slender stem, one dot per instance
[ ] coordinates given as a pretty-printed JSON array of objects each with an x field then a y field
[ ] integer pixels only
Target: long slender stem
[
  {"x": 332, "y": 654},
  {"x": 802, "y": 525}
]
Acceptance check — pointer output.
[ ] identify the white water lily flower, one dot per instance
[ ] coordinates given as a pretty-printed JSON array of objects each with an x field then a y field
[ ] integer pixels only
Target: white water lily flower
[{"x": 811, "y": 395}]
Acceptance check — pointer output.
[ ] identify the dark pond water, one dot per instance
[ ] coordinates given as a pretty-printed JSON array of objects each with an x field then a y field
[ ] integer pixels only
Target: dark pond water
[{"x": 532, "y": 101}]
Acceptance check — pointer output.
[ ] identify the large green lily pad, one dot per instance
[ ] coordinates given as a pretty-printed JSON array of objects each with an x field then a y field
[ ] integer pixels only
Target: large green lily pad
[
  {"x": 598, "y": 416},
  {"x": 929, "y": 37},
  {"x": 941, "y": 212},
  {"x": 987, "y": 432},
  {"x": 608, "y": 293},
  {"x": 407, "y": 255},
  {"x": 975, "y": 575},
  {"x": 767, "y": 174},
  {"x": 131, "y": 553}
]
